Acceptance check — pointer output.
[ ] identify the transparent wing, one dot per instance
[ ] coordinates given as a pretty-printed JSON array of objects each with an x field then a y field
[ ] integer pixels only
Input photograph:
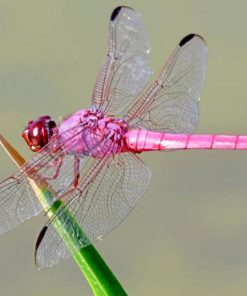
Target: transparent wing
[
  {"x": 109, "y": 191},
  {"x": 17, "y": 202},
  {"x": 171, "y": 102},
  {"x": 49, "y": 168},
  {"x": 125, "y": 70}
]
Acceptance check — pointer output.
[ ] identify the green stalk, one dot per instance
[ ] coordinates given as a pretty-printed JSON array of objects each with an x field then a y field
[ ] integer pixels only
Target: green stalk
[{"x": 98, "y": 274}]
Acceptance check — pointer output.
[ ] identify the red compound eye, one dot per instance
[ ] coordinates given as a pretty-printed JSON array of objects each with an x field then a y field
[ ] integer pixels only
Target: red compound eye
[{"x": 38, "y": 132}]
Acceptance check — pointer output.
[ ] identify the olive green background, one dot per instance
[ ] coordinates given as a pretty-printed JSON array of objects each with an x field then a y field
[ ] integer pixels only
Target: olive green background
[{"x": 188, "y": 236}]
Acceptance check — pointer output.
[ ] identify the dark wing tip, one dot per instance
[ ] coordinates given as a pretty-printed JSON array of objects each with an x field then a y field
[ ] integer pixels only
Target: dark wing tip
[
  {"x": 38, "y": 242},
  {"x": 116, "y": 12},
  {"x": 187, "y": 38}
]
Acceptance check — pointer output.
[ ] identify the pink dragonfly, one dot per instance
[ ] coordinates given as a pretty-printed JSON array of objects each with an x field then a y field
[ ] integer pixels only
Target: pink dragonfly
[{"x": 92, "y": 158}]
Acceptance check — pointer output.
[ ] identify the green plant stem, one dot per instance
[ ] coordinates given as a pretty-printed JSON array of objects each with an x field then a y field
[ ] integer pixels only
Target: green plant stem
[{"x": 98, "y": 274}]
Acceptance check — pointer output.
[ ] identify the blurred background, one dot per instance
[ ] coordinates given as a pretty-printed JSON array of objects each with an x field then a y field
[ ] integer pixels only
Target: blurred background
[{"x": 188, "y": 236}]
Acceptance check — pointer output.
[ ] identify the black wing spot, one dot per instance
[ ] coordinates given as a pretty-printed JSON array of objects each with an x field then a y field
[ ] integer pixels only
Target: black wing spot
[
  {"x": 38, "y": 242},
  {"x": 117, "y": 10},
  {"x": 186, "y": 39},
  {"x": 115, "y": 13}
]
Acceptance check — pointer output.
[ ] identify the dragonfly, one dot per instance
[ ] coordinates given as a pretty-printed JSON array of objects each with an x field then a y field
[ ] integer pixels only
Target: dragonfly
[{"x": 91, "y": 159}]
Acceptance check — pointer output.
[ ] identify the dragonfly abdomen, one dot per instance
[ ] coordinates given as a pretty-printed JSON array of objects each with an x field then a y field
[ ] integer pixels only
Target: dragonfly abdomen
[{"x": 144, "y": 140}]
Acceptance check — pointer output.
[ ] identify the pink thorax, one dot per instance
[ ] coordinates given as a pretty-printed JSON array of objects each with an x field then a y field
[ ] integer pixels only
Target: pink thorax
[{"x": 89, "y": 132}]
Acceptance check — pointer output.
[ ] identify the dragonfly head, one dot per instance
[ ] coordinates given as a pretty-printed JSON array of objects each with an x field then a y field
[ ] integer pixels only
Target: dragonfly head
[{"x": 38, "y": 132}]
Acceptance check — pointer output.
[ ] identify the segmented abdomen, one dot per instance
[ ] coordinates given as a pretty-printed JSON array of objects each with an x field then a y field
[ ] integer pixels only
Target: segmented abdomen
[{"x": 143, "y": 140}]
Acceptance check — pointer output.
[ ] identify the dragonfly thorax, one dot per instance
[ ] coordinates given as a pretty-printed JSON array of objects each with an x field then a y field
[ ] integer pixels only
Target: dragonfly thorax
[{"x": 92, "y": 133}]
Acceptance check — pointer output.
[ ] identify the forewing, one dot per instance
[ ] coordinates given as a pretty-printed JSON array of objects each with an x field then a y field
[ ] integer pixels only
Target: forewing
[
  {"x": 171, "y": 102},
  {"x": 18, "y": 201},
  {"x": 125, "y": 70},
  {"x": 109, "y": 191}
]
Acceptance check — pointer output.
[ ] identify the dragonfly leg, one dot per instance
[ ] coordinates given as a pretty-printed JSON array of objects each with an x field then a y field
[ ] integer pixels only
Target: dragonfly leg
[
  {"x": 75, "y": 182},
  {"x": 76, "y": 171},
  {"x": 58, "y": 163}
]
